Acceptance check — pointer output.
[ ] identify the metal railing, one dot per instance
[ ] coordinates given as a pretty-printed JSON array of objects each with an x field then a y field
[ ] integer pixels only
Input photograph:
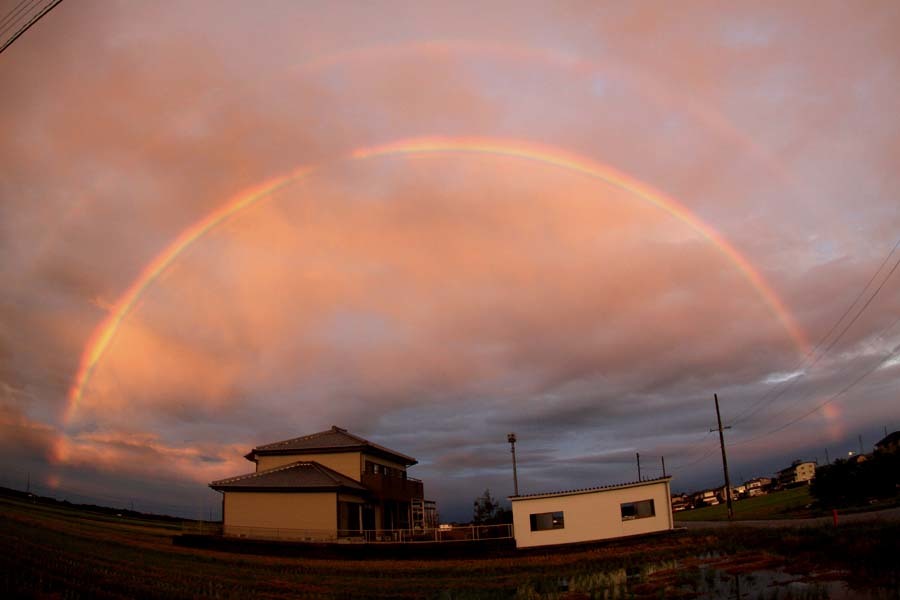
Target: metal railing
[
  {"x": 460, "y": 533},
  {"x": 393, "y": 488},
  {"x": 201, "y": 527}
]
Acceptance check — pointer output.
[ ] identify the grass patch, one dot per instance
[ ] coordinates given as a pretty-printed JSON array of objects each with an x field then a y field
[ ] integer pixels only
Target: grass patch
[{"x": 790, "y": 503}]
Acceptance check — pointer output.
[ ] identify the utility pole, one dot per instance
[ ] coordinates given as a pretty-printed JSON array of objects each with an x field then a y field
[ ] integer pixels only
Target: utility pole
[
  {"x": 511, "y": 438},
  {"x": 861, "y": 451},
  {"x": 663, "y": 459},
  {"x": 724, "y": 459},
  {"x": 827, "y": 460},
  {"x": 638, "y": 454}
]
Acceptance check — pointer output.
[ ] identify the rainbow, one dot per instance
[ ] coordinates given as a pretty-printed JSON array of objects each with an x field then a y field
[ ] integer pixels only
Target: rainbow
[{"x": 105, "y": 332}]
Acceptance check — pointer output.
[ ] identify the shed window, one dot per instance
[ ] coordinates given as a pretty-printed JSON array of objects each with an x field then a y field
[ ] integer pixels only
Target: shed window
[
  {"x": 550, "y": 520},
  {"x": 638, "y": 510}
]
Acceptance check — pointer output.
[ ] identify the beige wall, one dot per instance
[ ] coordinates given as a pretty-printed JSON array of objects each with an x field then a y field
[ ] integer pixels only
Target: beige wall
[
  {"x": 805, "y": 471},
  {"x": 593, "y": 515},
  {"x": 285, "y": 511},
  {"x": 345, "y": 463}
]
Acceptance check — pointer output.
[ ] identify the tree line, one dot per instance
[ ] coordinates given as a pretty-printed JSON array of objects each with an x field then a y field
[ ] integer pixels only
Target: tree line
[{"x": 849, "y": 482}]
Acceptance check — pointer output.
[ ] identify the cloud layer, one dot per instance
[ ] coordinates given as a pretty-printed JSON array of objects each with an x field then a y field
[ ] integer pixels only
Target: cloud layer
[{"x": 434, "y": 303}]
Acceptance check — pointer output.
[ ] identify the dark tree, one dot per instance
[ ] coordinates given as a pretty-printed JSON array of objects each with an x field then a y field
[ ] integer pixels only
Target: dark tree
[
  {"x": 487, "y": 511},
  {"x": 846, "y": 483},
  {"x": 484, "y": 509}
]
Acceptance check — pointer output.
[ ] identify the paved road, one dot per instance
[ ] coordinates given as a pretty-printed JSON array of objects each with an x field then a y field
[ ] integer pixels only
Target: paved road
[{"x": 886, "y": 515}]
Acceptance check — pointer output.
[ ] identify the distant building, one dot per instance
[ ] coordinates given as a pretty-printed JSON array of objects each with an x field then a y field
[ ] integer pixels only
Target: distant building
[
  {"x": 706, "y": 498},
  {"x": 757, "y": 487},
  {"x": 592, "y": 514},
  {"x": 681, "y": 502},
  {"x": 855, "y": 459},
  {"x": 324, "y": 486},
  {"x": 890, "y": 443},
  {"x": 800, "y": 471}
]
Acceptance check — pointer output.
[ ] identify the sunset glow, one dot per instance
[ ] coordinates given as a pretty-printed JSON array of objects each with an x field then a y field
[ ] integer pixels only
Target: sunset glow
[
  {"x": 440, "y": 223},
  {"x": 516, "y": 149}
]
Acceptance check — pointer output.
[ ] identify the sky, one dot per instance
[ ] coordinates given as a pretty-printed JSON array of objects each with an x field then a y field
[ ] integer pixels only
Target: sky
[{"x": 224, "y": 224}]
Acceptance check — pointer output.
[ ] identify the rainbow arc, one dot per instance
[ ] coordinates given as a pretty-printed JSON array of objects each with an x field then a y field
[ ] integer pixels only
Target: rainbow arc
[{"x": 106, "y": 330}]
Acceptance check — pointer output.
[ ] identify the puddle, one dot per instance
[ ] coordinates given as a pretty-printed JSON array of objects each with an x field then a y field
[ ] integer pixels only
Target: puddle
[{"x": 701, "y": 578}]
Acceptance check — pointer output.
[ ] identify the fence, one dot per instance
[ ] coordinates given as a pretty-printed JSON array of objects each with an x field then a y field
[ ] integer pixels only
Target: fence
[
  {"x": 459, "y": 533},
  {"x": 201, "y": 527}
]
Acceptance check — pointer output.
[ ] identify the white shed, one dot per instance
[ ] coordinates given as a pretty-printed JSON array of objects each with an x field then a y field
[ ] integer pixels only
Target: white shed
[{"x": 592, "y": 514}]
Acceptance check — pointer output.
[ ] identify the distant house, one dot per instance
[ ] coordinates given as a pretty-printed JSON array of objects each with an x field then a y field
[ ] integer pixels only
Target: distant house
[
  {"x": 706, "y": 498},
  {"x": 800, "y": 471},
  {"x": 758, "y": 486},
  {"x": 681, "y": 502},
  {"x": 889, "y": 443},
  {"x": 592, "y": 514},
  {"x": 327, "y": 485},
  {"x": 855, "y": 459}
]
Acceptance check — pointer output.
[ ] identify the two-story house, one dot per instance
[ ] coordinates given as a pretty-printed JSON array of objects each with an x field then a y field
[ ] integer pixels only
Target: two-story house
[{"x": 327, "y": 485}]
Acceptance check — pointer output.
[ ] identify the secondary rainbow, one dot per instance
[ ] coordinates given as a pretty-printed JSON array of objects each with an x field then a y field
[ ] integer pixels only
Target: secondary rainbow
[{"x": 105, "y": 332}]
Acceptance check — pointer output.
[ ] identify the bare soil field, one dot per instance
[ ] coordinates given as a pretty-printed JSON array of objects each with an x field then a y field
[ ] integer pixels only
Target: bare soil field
[{"x": 58, "y": 552}]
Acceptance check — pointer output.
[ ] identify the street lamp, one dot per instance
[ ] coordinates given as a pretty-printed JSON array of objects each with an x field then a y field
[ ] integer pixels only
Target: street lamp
[{"x": 511, "y": 438}]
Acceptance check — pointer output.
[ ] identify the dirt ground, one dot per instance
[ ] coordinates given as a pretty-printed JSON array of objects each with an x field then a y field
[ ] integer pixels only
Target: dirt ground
[{"x": 53, "y": 552}]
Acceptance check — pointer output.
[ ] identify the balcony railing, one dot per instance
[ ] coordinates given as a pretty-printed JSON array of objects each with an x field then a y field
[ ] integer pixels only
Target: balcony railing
[{"x": 387, "y": 487}]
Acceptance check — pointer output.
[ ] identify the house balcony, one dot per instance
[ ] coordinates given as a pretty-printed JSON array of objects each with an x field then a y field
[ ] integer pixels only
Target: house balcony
[{"x": 387, "y": 487}]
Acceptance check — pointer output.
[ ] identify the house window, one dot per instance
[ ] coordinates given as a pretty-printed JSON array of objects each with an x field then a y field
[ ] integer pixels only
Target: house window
[
  {"x": 638, "y": 510},
  {"x": 550, "y": 520},
  {"x": 373, "y": 468}
]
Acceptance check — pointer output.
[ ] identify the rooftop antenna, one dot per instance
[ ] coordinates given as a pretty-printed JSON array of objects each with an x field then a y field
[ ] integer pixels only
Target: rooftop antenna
[{"x": 511, "y": 438}]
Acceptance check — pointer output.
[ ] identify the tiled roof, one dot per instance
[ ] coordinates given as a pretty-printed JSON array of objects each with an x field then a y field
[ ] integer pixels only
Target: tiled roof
[
  {"x": 332, "y": 440},
  {"x": 594, "y": 489},
  {"x": 300, "y": 476}
]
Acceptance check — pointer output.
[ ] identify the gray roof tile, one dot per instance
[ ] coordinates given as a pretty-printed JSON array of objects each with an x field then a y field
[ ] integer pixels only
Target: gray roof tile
[
  {"x": 332, "y": 440},
  {"x": 299, "y": 476}
]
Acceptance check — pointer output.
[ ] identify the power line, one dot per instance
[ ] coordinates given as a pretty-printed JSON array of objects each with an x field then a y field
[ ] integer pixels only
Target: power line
[
  {"x": 707, "y": 450},
  {"x": 13, "y": 14},
  {"x": 885, "y": 331},
  {"x": 53, "y": 4},
  {"x": 866, "y": 305},
  {"x": 893, "y": 353},
  {"x": 759, "y": 405},
  {"x": 778, "y": 393}
]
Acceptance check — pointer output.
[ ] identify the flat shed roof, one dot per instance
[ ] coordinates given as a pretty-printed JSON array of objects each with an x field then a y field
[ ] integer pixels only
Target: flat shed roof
[{"x": 591, "y": 490}]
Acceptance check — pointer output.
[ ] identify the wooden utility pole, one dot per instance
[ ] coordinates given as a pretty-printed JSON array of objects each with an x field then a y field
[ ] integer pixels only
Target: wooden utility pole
[
  {"x": 638, "y": 454},
  {"x": 724, "y": 459},
  {"x": 663, "y": 459}
]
